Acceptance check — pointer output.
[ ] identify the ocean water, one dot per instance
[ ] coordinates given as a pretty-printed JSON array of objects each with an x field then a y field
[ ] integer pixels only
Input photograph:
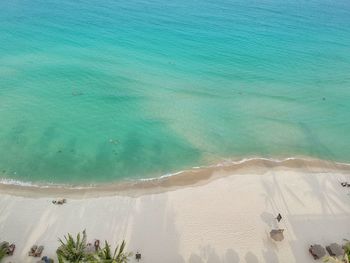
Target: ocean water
[{"x": 106, "y": 90}]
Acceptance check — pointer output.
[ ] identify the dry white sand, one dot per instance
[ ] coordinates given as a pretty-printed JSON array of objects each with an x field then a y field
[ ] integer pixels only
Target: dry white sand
[{"x": 226, "y": 219}]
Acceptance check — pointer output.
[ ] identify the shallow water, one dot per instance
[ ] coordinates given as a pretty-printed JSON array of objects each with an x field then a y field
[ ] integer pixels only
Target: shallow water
[{"x": 95, "y": 91}]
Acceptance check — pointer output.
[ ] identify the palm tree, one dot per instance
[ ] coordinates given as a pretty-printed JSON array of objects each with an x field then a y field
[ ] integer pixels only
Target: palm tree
[
  {"x": 347, "y": 250},
  {"x": 119, "y": 256},
  {"x": 330, "y": 259},
  {"x": 73, "y": 251},
  {"x": 3, "y": 251},
  {"x": 345, "y": 258}
]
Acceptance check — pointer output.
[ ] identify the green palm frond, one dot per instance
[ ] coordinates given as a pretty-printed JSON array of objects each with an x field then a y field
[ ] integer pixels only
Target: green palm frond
[
  {"x": 74, "y": 250},
  {"x": 330, "y": 259},
  {"x": 122, "y": 257},
  {"x": 2, "y": 253},
  {"x": 71, "y": 250},
  {"x": 105, "y": 253},
  {"x": 347, "y": 250},
  {"x": 119, "y": 256}
]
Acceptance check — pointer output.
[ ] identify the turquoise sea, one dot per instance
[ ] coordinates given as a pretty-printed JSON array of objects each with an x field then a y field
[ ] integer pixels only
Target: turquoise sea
[{"x": 103, "y": 90}]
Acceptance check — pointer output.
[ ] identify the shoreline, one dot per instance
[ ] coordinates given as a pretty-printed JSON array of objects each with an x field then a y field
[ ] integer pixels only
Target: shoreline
[
  {"x": 187, "y": 178},
  {"x": 226, "y": 217}
]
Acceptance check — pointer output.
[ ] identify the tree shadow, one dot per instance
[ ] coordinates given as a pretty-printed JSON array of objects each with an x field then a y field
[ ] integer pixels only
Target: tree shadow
[
  {"x": 231, "y": 256},
  {"x": 159, "y": 241},
  {"x": 194, "y": 258},
  {"x": 270, "y": 256},
  {"x": 251, "y": 258},
  {"x": 208, "y": 254}
]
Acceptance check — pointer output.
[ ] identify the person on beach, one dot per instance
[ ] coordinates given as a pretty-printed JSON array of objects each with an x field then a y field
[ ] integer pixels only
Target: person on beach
[{"x": 279, "y": 217}]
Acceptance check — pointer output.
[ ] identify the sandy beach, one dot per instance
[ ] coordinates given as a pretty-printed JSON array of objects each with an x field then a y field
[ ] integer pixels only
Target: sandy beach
[{"x": 226, "y": 217}]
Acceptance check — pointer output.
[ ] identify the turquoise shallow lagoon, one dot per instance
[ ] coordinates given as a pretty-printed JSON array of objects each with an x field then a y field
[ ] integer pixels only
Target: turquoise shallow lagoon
[{"x": 98, "y": 91}]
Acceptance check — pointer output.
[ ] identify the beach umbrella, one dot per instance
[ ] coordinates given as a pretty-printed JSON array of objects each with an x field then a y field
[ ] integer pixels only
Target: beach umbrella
[
  {"x": 317, "y": 251},
  {"x": 335, "y": 249},
  {"x": 277, "y": 234}
]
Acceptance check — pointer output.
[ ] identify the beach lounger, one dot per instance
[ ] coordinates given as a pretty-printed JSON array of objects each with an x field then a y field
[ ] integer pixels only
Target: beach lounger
[
  {"x": 335, "y": 250},
  {"x": 317, "y": 251},
  {"x": 312, "y": 254},
  {"x": 39, "y": 251},
  {"x": 11, "y": 249},
  {"x": 32, "y": 250},
  {"x": 59, "y": 201},
  {"x": 97, "y": 244}
]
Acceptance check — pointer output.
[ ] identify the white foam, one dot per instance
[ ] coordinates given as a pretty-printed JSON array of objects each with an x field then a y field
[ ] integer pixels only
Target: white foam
[{"x": 224, "y": 163}]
